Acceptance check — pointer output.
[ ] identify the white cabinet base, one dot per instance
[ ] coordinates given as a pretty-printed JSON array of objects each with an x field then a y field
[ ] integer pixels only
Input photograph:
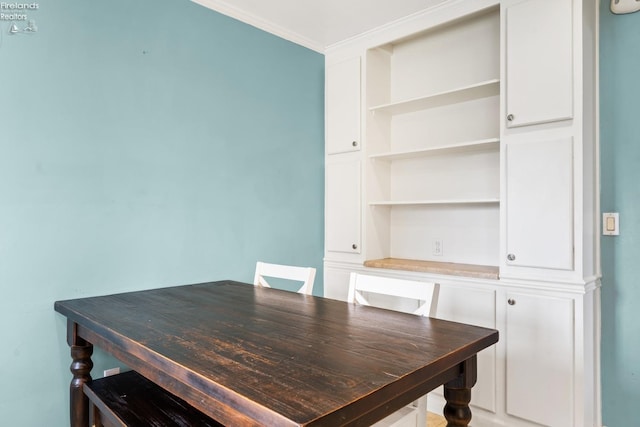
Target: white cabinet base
[{"x": 542, "y": 371}]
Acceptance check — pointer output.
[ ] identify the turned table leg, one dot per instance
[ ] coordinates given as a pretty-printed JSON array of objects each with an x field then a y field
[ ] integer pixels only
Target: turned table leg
[
  {"x": 458, "y": 395},
  {"x": 81, "y": 365}
]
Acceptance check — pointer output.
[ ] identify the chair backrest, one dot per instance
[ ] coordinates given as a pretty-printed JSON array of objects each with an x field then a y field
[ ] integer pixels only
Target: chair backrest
[
  {"x": 361, "y": 286},
  {"x": 306, "y": 275}
]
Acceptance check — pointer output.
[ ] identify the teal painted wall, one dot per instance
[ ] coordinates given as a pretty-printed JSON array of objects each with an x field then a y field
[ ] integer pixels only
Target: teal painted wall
[
  {"x": 620, "y": 192},
  {"x": 143, "y": 143}
]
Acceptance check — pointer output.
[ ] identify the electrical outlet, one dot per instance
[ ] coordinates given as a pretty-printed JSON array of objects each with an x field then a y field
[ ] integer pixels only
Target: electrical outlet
[
  {"x": 437, "y": 247},
  {"x": 112, "y": 371}
]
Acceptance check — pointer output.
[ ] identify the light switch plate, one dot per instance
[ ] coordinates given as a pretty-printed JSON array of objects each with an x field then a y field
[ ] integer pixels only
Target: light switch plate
[{"x": 610, "y": 224}]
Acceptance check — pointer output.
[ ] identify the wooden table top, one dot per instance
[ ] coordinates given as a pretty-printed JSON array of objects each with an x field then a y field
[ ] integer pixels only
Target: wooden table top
[{"x": 253, "y": 356}]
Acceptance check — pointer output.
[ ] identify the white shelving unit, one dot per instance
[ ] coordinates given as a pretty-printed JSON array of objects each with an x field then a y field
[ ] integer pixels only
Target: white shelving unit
[
  {"x": 462, "y": 149},
  {"x": 433, "y": 146}
]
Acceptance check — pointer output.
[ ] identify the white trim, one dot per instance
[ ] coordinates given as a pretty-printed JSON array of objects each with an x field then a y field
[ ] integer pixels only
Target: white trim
[
  {"x": 260, "y": 23},
  {"x": 430, "y": 17}
]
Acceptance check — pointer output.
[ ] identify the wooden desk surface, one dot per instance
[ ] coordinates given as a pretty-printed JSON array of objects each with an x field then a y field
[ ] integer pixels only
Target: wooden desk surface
[{"x": 254, "y": 356}]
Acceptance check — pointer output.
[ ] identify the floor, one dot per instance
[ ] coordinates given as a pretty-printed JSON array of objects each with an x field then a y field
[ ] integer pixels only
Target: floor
[{"x": 434, "y": 420}]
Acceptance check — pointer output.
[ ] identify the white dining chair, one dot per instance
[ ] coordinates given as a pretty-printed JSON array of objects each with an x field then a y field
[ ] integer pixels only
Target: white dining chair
[
  {"x": 416, "y": 297},
  {"x": 306, "y": 275}
]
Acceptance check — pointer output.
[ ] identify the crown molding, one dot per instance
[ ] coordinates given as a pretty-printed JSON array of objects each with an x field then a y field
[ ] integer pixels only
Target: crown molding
[{"x": 260, "y": 23}]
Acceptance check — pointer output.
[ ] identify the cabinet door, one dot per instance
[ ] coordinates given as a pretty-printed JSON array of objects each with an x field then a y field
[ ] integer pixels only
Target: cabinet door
[
  {"x": 475, "y": 307},
  {"x": 336, "y": 283},
  {"x": 539, "y": 62},
  {"x": 343, "y": 106},
  {"x": 539, "y": 204},
  {"x": 342, "y": 210},
  {"x": 539, "y": 355}
]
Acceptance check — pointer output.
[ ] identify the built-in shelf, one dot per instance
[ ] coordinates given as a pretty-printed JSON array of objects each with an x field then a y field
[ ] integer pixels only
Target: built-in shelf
[
  {"x": 462, "y": 94},
  {"x": 447, "y": 268},
  {"x": 482, "y": 201},
  {"x": 433, "y": 152},
  {"x": 482, "y": 144}
]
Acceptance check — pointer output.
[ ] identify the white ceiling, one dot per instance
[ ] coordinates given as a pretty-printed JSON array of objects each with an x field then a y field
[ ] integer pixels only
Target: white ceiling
[{"x": 317, "y": 24}]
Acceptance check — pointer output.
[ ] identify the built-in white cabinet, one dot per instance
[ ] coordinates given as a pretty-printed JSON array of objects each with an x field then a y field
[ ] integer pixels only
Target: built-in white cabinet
[
  {"x": 475, "y": 166},
  {"x": 432, "y": 143},
  {"x": 539, "y": 61},
  {"x": 336, "y": 281},
  {"x": 540, "y": 345},
  {"x": 539, "y": 203},
  {"x": 475, "y": 305},
  {"x": 343, "y": 201},
  {"x": 343, "y": 106},
  {"x": 343, "y": 178},
  {"x": 540, "y": 360},
  {"x": 549, "y": 182}
]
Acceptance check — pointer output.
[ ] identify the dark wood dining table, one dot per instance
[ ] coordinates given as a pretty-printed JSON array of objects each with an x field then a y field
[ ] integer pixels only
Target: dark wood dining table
[{"x": 251, "y": 356}]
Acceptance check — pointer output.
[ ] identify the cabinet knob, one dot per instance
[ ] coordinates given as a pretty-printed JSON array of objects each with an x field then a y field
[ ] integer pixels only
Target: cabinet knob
[
  {"x": 510, "y": 117},
  {"x": 354, "y": 246},
  {"x": 511, "y": 257},
  {"x": 511, "y": 301},
  {"x": 354, "y": 143}
]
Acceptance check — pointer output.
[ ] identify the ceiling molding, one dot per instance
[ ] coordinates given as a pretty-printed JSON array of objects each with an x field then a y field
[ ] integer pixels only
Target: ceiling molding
[
  {"x": 439, "y": 12},
  {"x": 260, "y": 23}
]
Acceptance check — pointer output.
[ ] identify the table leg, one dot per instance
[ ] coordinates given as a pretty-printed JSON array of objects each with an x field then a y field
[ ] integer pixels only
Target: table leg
[
  {"x": 81, "y": 365},
  {"x": 458, "y": 395}
]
